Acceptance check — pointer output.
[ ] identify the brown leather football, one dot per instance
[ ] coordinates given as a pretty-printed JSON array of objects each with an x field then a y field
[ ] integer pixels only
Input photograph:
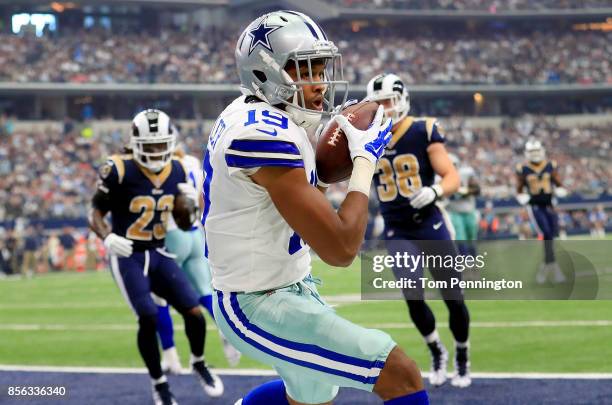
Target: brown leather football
[
  {"x": 333, "y": 159},
  {"x": 184, "y": 211}
]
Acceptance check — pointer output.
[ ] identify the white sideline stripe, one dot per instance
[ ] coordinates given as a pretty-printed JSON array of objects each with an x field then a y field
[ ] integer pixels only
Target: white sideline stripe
[
  {"x": 389, "y": 325},
  {"x": 510, "y": 324},
  {"x": 265, "y": 373},
  {"x": 77, "y": 327}
]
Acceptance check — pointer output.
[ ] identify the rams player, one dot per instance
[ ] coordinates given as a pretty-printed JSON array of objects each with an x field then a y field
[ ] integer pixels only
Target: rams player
[
  {"x": 263, "y": 213},
  {"x": 539, "y": 176},
  {"x": 188, "y": 247},
  {"x": 407, "y": 196},
  {"x": 138, "y": 190}
]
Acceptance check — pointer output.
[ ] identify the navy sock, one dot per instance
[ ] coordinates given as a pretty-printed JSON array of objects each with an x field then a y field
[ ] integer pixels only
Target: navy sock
[
  {"x": 270, "y": 393},
  {"x": 206, "y": 301},
  {"x": 165, "y": 330},
  {"x": 416, "y": 398}
]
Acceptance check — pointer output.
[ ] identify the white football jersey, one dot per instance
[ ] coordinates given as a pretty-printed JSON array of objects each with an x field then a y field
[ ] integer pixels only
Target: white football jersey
[
  {"x": 464, "y": 204},
  {"x": 250, "y": 246},
  {"x": 193, "y": 167}
]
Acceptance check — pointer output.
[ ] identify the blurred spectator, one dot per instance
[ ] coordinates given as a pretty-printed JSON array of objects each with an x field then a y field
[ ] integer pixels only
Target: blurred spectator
[
  {"x": 490, "y": 5},
  {"x": 31, "y": 248},
  {"x": 422, "y": 56},
  {"x": 68, "y": 242}
]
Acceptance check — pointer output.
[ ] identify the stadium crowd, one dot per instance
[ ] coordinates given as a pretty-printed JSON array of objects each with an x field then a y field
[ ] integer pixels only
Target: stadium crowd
[
  {"x": 206, "y": 56},
  {"x": 57, "y": 180},
  {"x": 50, "y": 174},
  {"x": 460, "y": 5}
]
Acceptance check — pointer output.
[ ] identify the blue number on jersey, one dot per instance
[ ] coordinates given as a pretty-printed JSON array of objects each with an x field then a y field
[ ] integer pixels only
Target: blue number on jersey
[
  {"x": 216, "y": 133},
  {"x": 269, "y": 118}
]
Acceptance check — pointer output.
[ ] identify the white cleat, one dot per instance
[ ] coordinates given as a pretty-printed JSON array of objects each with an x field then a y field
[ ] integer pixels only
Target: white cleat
[
  {"x": 462, "y": 378},
  {"x": 558, "y": 276},
  {"x": 542, "y": 274},
  {"x": 212, "y": 384},
  {"x": 461, "y": 381},
  {"x": 439, "y": 362},
  {"x": 231, "y": 353},
  {"x": 171, "y": 364},
  {"x": 239, "y": 402}
]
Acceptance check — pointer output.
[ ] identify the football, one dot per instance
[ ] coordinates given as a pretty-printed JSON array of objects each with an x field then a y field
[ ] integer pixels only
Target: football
[
  {"x": 333, "y": 159},
  {"x": 184, "y": 211}
]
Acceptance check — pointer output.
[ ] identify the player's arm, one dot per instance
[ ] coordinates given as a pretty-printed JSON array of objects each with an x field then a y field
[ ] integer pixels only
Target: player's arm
[
  {"x": 101, "y": 205},
  {"x": 555, "y": 176},
  {"x": 443, "y": 167},
  {"x": 473, "y": 187},
  {"x": 521, "y": 197},
  {"x": 559, "y": 191},
  {"x": 336, "y": 237},
  {"x": 97, "y": 223}
]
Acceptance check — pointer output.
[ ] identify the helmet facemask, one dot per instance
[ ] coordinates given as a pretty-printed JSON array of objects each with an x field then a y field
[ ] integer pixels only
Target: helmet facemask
[
  {"x": 534, "y": 152},
  {"x": 154, "y": 154},
  {"x": 305, "y": 65}
]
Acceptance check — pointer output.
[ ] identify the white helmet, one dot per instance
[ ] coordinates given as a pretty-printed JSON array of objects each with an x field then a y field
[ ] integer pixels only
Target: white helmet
[
  {"x": 534, "y": 151},
  {"x": 152, "y": 127},
  {"x": 266, "y": 47},
  {"x": 389, "y": 86}
]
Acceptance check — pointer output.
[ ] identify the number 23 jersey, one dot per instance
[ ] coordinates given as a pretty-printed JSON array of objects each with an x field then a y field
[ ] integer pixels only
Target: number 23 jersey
[
  {"x": 250, "y": 246},
  {"x": 140, "y": 202}
]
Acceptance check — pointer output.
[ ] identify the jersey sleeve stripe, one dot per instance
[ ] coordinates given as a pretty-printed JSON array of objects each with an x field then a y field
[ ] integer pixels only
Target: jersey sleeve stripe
[
  {"x": 246, "y": 162},
  {"x": 263, "y": 155},
  {"x": 256, "y": 145}
]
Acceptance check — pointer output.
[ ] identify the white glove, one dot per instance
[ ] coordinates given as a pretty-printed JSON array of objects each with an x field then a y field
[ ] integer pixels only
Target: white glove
[
  {"x": 463, "y": 190},
  {"x": 522, "y": 198},
  {"x": 118, "y": 245},
  {"x": 425, "y": 196},
  {"x": 369, "y": 143},
  {"x": 561, "y": 192},
  {"x": 190, "y": 192}
]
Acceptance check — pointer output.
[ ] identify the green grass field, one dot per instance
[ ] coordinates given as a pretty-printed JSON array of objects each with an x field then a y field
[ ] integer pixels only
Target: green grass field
[{"x": 82, "y": 320}]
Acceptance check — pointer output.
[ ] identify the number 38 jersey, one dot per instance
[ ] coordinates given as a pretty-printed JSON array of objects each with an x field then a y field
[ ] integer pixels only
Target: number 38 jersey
[
  {"x": 139, "y": 201},
  {"x": 405, "y": 168},
  {"x": 250, "y": 246}
]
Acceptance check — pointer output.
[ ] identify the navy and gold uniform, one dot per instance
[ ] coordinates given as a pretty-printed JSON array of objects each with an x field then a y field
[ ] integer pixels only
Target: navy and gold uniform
[
  {"x": 403, "y": 170},
  {"x": 538, "y": 179},
  {"x": 140, "y": 203}
]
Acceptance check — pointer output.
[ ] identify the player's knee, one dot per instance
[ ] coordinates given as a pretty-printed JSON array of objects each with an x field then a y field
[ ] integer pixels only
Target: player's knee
[
  {"x": 400, "y": 376},
  {"x": 147, "y": 323},
  {"x": 191, "y": 312}
]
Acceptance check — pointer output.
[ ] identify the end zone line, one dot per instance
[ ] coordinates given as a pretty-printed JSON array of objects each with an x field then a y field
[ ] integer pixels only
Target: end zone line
[{"x": 272, "y": 373}]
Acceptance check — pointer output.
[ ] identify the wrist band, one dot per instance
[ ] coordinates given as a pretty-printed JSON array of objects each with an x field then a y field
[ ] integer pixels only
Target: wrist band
[
  {"x": 361, "y": 177},
  {"x": 438, "y": 190}
]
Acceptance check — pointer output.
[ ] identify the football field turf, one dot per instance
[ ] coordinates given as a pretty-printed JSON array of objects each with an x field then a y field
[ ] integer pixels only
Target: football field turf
[{"x": 80, "y": 319}]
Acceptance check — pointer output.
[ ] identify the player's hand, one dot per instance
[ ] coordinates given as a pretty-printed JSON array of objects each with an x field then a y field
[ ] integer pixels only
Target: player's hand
[
  {"x": 522, "y": 198},
  {"x": 463, "y": 190},
  {"x": 189, "y": 191},
  {"x": 118, "y": 245},
  {"x": 369, "y": 143},
  {"x": 561, "y": 192},
  {"x": 423, "y": 197},
  {"x": 338, "y": 109}
]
